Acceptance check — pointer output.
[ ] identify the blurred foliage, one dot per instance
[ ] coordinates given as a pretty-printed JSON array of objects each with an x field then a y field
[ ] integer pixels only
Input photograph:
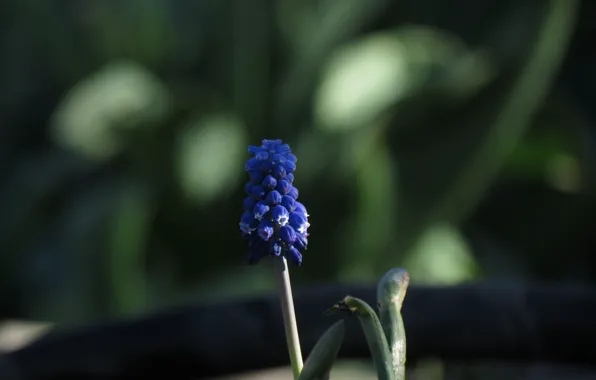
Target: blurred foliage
[{"x": 426, "y": 135}]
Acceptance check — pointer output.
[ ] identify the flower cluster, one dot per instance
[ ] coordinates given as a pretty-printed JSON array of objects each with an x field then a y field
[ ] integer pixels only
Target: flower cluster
[{"x": 274, "y": 222}]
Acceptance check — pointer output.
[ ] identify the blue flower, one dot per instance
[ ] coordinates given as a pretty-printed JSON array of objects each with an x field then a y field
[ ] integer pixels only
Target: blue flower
[
  {"x": 260, "y": 210},
  {"x": 288, "y": 202},
  {"x": 274, "y": 223},
  {"x": 269, "y": 182},
  {"x": 283, "y": 187},
  {"x": 273, "y": 198},
  {"x": 298, "y": 222},
  {"x": 248, "y": 223},
  {"x": 280, "y": 215}
]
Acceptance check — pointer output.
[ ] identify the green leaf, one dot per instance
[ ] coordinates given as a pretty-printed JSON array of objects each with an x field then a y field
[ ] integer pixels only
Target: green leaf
[
  {"x": 389, "y": 70},
  {"x": 443, "y": 180},
  {"x": 391, "y": 291},
  {"x": 319, "y": 362},
  {"x": 96, "y": 114},
  {"x": 209, "y": 156},
  {"x": 373, "y": 331},
  {"x": 339, "y": 22}
]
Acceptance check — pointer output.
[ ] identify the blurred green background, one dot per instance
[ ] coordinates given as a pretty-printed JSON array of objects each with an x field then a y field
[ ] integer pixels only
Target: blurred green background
[{"x": 440, "y": 136}]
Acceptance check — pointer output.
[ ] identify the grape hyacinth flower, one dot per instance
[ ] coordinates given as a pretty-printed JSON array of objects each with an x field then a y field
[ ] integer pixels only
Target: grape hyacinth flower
[
  {"x": 275, "y": 225},
  {"x": 273, "y": 222}
]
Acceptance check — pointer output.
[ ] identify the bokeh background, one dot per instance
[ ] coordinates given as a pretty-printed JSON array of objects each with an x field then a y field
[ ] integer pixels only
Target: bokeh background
[{"x": 455, "y": 138}]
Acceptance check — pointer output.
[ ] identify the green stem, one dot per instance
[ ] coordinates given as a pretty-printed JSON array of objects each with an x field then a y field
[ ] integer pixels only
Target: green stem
[{"x": 287, "y": 308}]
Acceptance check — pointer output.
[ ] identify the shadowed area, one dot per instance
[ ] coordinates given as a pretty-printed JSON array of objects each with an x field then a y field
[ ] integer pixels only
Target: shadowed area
[{"x": 454, "y": 139}]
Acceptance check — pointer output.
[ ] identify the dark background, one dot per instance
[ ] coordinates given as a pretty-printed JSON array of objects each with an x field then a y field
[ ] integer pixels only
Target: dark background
[{"x": 454, "y": 138}]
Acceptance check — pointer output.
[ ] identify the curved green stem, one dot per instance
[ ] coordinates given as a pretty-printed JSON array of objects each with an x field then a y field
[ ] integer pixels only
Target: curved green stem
[
  {"x": 391, "y": 292},
  {"x": 375, "y": 337}
]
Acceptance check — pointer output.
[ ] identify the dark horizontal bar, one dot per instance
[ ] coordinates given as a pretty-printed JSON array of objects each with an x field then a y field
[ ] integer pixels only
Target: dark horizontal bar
[{"x": 461, "y": 323}]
